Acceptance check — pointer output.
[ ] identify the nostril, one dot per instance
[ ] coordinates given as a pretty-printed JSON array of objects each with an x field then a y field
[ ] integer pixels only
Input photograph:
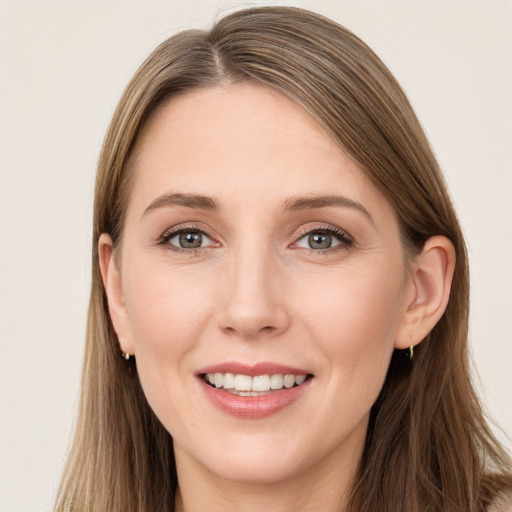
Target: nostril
[{"x": 251, "y": 334}]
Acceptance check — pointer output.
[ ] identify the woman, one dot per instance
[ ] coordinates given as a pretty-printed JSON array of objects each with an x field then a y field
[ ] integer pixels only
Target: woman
[{"x": 278, "y": 262}]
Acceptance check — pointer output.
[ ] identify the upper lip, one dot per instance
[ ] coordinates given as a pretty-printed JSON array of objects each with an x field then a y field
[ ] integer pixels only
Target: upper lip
[{"x": 253, "y": 370}]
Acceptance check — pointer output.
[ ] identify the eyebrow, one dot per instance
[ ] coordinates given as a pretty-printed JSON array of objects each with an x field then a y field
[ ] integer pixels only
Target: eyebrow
[
  {"x": 201, "y": 202},
  {"x": 188, "y": 200},
  {"x": 310, "y": 203}
]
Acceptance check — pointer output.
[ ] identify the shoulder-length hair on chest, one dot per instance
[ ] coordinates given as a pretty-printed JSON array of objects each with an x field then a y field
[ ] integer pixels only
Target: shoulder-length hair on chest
[{"x": 428, "y": 446}]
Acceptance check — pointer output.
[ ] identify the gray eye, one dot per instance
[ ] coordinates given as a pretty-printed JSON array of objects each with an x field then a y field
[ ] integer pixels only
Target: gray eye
[
  {"x": 190, "y": 239},
  {"x": 319, "y": 241}
]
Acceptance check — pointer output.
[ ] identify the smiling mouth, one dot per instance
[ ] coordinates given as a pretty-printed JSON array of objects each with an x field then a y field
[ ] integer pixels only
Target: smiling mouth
[{"x": 245, "y": 385}]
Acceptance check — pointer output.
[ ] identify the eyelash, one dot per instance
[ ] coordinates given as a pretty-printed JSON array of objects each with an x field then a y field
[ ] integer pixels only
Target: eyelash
[
  {"x": 345, "y": 240},
  {"x": 168, "y": 235}
]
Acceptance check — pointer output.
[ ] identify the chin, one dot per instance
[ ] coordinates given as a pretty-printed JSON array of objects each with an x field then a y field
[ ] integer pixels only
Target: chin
[
  {"x": 256, "y": 466},
  {"x": 270, "y": 457}
]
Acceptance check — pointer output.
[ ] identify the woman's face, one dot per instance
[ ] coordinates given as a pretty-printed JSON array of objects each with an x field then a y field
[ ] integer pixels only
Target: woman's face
[{"x": 257, "y": 255}]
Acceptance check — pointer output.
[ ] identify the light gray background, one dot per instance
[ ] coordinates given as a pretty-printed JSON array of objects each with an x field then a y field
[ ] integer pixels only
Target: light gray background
[{"x": 63, "y": 67}]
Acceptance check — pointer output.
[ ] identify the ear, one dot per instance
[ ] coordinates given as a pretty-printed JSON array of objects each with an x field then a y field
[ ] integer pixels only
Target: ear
[
  {"x": 428, "y": 291},
  {"x": 112, "y": 282}
]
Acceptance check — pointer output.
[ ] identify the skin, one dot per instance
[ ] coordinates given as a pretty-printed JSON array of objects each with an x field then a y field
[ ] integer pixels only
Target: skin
[{"x": 256, "y": 291}]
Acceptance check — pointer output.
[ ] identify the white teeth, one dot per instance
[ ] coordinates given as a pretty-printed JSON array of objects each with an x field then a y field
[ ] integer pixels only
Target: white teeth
[
  {"x": 261, "y": 383},
  {"x": 229, "y": 381},
  {"x": 243, "y": 383},
  {"x": 289, "y": 381},
  {"x": 299, "y": 379},
  {"x": 276, "y": 381}
]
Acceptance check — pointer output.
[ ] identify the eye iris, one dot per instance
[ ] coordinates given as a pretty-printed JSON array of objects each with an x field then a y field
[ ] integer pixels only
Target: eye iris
[
  {"x": 191, "y": 239},
  {"x": 319, "y": 241}
]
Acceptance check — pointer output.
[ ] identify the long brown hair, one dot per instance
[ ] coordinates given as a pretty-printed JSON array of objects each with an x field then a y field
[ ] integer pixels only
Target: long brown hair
[{"x": 428, "y": 446}]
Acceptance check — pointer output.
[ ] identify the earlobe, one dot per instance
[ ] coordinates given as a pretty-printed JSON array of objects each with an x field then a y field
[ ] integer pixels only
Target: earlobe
[
  {"x": 112, "y": 283},
  {"x": 428, "y": 291}
]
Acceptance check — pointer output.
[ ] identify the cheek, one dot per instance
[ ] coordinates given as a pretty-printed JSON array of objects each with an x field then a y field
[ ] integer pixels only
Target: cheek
[
  {"x": 354, "y": 318},
  {"x": 168, "y": 314},
  {"x": 166, "y": 310}
]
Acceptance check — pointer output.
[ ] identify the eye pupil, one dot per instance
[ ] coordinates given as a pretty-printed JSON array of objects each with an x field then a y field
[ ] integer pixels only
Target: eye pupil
[
  {"x": 191, "y": 239},
  {"x": 319, "y": 241}
]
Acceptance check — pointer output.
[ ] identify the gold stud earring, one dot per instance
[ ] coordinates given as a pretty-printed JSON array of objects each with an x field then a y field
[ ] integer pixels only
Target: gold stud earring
[
  {"x": 411, "y": 348},
  {"x": 124, "y": 354}
]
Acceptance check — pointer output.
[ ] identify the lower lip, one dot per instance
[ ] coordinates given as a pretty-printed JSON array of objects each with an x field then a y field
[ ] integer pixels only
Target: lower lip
[{"x": 254, "y": 406}]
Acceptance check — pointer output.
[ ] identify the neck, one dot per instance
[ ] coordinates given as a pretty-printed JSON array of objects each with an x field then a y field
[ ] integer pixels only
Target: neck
[
  {"x": 282, "y": 497},
  {"x": 325, "y": 486}
]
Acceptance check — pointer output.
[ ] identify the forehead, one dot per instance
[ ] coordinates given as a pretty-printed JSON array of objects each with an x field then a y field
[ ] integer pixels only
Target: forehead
[
  {"x": 234, "y": 140},
  {"x": 233, "y": 118}
]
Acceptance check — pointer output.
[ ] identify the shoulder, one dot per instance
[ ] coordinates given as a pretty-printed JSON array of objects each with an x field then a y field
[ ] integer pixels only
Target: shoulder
[{"x": 502, "y": 504}]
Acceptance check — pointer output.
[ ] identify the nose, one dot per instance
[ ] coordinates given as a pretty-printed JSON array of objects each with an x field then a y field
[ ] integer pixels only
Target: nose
[{"x": 253, "y": 297}]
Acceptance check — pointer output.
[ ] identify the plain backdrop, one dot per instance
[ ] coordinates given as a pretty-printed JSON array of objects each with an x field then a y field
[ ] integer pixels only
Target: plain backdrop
[{"x": 63, "y": 67}]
